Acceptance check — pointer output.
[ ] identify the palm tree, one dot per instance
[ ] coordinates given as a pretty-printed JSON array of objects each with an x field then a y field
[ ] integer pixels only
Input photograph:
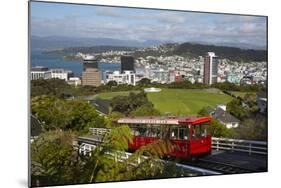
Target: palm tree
[
  {"x": 61, "y": 164},
  {"x": 142, "y": 164}
]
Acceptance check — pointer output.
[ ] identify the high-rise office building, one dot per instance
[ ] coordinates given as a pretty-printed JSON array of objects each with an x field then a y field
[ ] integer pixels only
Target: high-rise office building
[
  {"x": 210, "y": 68},
  {"x": 91, "y": 76},
  {"x": 127, "y": 63}
]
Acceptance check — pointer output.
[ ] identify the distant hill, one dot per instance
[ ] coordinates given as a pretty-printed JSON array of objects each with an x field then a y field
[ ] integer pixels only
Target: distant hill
[
  {"x": 66, "y": 45},
  {"x": 58, "y": 42},
  {"x": 91, "y": 49},
  {"x": 231, "y": 53}
]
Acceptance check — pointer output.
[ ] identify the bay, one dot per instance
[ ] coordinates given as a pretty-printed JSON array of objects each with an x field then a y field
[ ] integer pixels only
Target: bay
[{"x": 38, "y": 58}]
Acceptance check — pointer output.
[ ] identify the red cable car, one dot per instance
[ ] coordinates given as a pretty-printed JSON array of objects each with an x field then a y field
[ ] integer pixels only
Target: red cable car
[{"x": 188, "y": 134}]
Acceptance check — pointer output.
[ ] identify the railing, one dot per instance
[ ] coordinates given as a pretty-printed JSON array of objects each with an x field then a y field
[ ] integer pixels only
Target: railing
[
  {"x": 120, "y": 156},
  {"x": 99, "y": 131},
  {"x": 247, "y": 146}
]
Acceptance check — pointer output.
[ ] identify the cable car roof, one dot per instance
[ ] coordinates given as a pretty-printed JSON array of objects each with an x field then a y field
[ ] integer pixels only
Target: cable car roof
[{"x": 169, "y": 120}]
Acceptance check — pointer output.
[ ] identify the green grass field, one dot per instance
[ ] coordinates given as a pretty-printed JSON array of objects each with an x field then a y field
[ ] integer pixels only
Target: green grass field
[
  {"x": 110, "y": 95},
  {"x": 180, "y": 101}
]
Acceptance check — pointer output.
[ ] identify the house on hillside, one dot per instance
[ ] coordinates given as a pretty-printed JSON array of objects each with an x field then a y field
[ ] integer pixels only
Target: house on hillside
[{"x": 226, "y": 118}]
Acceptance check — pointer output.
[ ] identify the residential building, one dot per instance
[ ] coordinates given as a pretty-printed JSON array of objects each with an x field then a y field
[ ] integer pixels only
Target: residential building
[
  {"x": 210, "y": 68},
  {"x": 226, "y": 118}
]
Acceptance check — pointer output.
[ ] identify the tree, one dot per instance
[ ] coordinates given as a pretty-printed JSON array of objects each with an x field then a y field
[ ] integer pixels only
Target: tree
[
  {"x": 54, "y": 87},
  {"x": 144, "y": 81},
  {"x": 59, "y": 88},
  {"x": 205, "y": 111},
  {"x": 236, "y": 109},
  {"x": 54, "y": 154},
  {"x": 146, "y": 167},
  {"x": 217, "y": 129},
  {"x": 253, "y": 129},
  {"x": 127, "y": 104},
  {"x": 145, "y": 111},
  {"x": 62, "y": 114},
  {"x": 62, "y": 164},
  {"x": 112, "y": 83}
]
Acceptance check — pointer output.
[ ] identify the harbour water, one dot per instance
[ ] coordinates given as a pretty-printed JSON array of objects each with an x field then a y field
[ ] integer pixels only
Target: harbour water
[{"x": 38, "y": 58}]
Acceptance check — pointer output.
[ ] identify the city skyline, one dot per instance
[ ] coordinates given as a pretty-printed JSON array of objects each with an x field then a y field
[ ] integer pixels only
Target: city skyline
[{"x": 87, "y": 21}]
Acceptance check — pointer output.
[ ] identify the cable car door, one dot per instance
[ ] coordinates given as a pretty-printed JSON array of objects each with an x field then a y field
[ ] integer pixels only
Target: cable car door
[{"x": 199, "y": 141}]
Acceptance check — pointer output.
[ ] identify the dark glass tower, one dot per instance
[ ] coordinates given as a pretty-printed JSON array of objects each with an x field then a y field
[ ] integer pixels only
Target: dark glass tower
[{"x": 127, "y": 63}]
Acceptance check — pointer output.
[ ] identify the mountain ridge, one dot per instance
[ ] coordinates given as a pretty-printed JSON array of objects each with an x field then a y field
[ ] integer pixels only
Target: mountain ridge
[{"x": 57, "y": 42}]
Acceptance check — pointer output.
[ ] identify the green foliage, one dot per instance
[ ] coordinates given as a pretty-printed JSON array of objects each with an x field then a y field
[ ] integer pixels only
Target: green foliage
[
  {"x": 143, "y": 168},
  {"x": 58, "y": 161},
  {"x": 118, "y": 138},
  {"x": 227, "y": 86},
  {"x": 219, "y": 130},
  {"x": 58, "y": 88},
  {"x": 54, "y": 87},
  {"x": 112, "y": 83},
  {"x": 236, "y": 109},
  {"x": 144, "y": 81},
  {"x": 254, "y": 128},
  {"x": 62, "y": 164},
  {"x": 253, "y": 125},
  {"x": 145, "y": 111},
  {"x": 126, "y": 104},
  {"x": 62, "y": 114},
  {"x": 205, "y": 111}
]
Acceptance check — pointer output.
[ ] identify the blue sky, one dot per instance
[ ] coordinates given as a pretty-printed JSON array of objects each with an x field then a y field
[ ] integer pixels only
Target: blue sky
[{"x": 50, "y": 19}]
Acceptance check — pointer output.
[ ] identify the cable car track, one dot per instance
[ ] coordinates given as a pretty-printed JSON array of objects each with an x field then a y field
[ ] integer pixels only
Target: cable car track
[{"x": 223, "y": 168}]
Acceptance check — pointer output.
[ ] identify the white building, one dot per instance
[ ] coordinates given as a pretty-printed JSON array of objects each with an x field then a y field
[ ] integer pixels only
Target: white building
[
  {"x": 74, "y": 81},
  {"x": 59, "y": 73},
  {"x": 38, "y": 72},
  {"x": 127, "y": 77}
]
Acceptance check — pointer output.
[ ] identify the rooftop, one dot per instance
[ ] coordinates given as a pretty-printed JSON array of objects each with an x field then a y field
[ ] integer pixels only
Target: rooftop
[
  {"x": 171, "y": 120},
  {"x": 224, "y": 116}
]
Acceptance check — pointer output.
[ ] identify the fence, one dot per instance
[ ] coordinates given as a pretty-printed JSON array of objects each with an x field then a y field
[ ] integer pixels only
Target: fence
[
  {"x": 99, "y": 131},
  {"x": 247, "y": 146},
  {"x": 120, "y": 156}
]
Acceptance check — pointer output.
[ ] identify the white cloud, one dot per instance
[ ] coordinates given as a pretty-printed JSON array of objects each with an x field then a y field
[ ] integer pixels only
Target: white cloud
[{"x": 157, "y": 25}]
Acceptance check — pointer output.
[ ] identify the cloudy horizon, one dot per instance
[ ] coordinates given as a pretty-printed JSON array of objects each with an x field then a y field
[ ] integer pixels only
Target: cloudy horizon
[{"x": 88, "y": 21}]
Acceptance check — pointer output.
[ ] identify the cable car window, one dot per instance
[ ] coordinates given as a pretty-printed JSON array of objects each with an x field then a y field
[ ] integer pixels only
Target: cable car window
[
  {"x": 182, "y": 134},
  {"x": 196, "y": 131},
  {"x": 148, "y": 131},
  {"x": 135, "y": 129},
  {"x": 141, "y": 130},
  {"x": 206, "y": 128},
  {"x": 164, "y": 131},
  {"x": 155, "y": 131},
  {"x": 174, "y": 133}
]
